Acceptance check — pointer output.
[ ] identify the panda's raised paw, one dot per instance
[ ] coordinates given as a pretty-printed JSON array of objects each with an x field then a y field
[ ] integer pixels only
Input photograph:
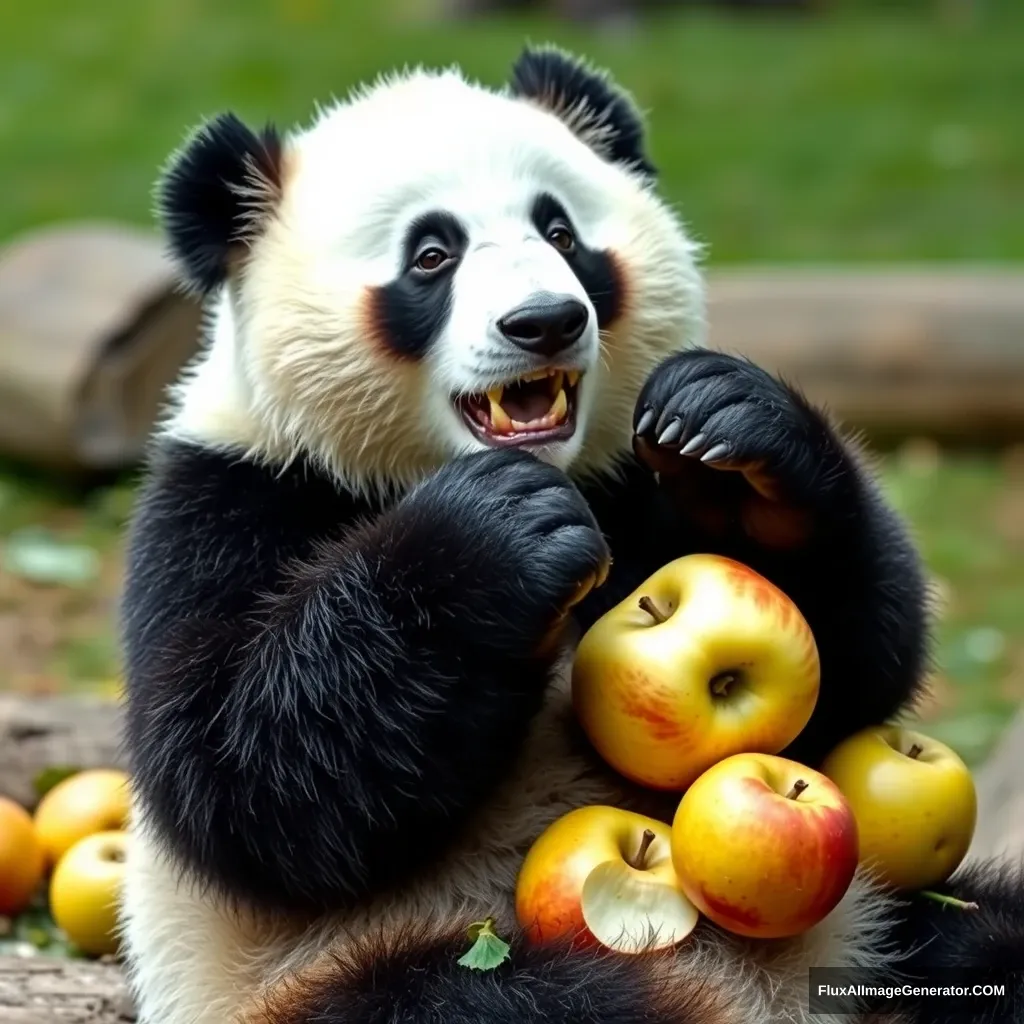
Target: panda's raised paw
[
  {"x": 708, "y": 409},
  {"x": 537, "y": 533}
]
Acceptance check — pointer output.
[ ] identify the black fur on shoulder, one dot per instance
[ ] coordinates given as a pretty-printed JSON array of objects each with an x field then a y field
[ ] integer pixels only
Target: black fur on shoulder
[
  {"x": 414, "y": 976},
  {"x": 597, "y": 110},
  {"x": 320, "y": 691},
  {"x": 953, "y": 946},
  {"x": 213, "y": 194}
]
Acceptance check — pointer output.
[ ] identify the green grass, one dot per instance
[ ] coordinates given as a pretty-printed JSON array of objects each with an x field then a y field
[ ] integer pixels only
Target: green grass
[
  {"x": 870, "y": 135},
  {"x": 967, "y": 512},
  {"x": 857, "y": 137}
]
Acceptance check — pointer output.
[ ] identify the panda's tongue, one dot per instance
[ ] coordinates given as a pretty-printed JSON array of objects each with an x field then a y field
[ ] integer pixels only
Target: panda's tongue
[{"x": 527, "y": 400}]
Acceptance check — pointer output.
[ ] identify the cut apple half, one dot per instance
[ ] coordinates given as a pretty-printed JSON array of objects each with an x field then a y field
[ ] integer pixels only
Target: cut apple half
[{"x": 636, "y": 910}]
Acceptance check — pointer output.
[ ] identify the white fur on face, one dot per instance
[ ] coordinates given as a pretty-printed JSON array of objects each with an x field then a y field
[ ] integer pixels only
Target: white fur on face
[
  {"x": 309, "y": 370},
  {"x": 507, "y": 263}
]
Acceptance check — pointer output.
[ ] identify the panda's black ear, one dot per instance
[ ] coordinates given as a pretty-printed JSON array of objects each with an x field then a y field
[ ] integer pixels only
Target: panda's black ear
[
  {"x": 597, "y": 110},
  {"x": 215, "y": 194}
]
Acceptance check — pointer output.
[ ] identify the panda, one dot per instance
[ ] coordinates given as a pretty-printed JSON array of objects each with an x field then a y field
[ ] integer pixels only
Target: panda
[{"x": 454, "y": 401}]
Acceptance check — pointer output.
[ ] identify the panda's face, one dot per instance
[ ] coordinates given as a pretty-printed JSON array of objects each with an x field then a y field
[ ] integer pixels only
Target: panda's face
[
  {"x": 517, "y": 301},
  {"x": 448, "y": 269}
]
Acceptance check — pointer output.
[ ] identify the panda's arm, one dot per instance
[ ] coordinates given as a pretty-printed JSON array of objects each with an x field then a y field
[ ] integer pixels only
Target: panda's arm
[
  {"x": 310, "y": 717},
  {"x": 825, "y": 536}
]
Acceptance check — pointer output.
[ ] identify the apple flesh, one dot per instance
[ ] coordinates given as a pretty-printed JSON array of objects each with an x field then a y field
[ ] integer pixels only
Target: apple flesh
[
  {"x": 914, "y": 800},
  {"x": 706, "y": 659},
  {"x": 604, "y": 875},
  {"x": 763, "y": 846}
]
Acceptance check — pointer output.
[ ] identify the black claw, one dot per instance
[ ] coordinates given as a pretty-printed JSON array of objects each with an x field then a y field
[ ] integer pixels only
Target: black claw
[{"x": 646, "y": 422}]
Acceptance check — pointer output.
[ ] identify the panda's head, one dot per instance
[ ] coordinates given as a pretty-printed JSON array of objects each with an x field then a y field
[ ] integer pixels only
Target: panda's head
[{"x": 431, "y": 268}]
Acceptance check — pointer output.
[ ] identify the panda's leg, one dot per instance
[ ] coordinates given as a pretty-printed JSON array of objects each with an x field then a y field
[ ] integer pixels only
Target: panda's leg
[
  {"x": 712, "y": 978},
  {"x": 949, "y": 944},
  {"x": 753, "y": 471},
  {"x": 414, "y": 976}
]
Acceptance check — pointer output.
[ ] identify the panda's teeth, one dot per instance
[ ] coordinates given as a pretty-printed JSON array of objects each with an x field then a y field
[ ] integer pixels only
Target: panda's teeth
[
  {"x": 559, "y": 408},
  {"x": 536, "y": 375},
  {"x": 573, "y": 377},
  {"x": 500, "y": 420},
  {"x": 496, "y": 394}
]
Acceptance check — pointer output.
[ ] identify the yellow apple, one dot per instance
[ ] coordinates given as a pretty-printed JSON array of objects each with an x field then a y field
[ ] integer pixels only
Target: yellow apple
[
  {"x": 706, "y": 659},
  {"x": 95, "y": 800},
  {"x": 604, "y": 875},
  {"x": 21, "y": 858},
  {"x": 85, "y": 891},
  {"x": 914, "y": 800},
  {"x": 764, "y": 846}
]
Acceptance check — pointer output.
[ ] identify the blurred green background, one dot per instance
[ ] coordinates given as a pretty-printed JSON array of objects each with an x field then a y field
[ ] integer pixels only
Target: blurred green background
[{"x": 861, "y": 133}]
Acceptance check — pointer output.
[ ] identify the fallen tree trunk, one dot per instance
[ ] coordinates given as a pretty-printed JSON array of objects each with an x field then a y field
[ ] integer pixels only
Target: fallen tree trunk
[
  {"x": 892, "y": 352},
  {"x": 1000, "y": 830},
  {"x": 36, "y": 733},
  {"x": 42, "y": 733},
  {"x": 45, "y": 990}
]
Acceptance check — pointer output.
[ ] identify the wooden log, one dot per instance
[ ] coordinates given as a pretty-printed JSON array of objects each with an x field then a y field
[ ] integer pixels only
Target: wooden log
[
  {"x": 892, "y": 352},
  {"x": 1000, "y": 783},
  {"x": 93, "y": 327},
  {"x": 54, "y": 732},
  {"x": 45, "y": 990}
]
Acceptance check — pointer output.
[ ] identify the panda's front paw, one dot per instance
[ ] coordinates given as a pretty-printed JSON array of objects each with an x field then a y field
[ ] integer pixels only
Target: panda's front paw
[
  {"x": 542, "y": 549},
  {"x": 737, "y": 445}
]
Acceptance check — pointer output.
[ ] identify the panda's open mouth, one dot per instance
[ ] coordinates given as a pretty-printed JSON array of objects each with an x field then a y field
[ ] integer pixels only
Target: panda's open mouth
[{"x": 535, "y": 409}]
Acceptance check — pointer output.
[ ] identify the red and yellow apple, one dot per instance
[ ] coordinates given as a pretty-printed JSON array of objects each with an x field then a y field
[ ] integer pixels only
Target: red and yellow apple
[
  {"x": 85, "y": 891},
  {"x": 22, "y": 862},
  {"x": 90, "y": 801},
  {"x": 706, "y": 659},
  {"x": 604, "y": 875},
  {"x": 764, "y": 846},
  {"x": 914, "y": 801}
]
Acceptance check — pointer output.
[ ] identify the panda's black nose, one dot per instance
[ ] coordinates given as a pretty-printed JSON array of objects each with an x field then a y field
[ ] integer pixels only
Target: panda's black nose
[{"x": 545, "y": 324}]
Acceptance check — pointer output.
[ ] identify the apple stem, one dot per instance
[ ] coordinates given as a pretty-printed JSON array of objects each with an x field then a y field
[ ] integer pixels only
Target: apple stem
[
  {"x": 640, "y": 860},
  {"x": 949, "y": 901},
  {"x": 914, "y": 750},
  {"x": 653, "y": 610},
  {"x": 721, "y": 683},
  {"x": 798, "y": 787}
]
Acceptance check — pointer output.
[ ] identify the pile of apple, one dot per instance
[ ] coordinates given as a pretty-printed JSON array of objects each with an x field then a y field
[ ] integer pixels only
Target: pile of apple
[
  {"x": 694, "y": 684},
  {"x": 75, "y": 845}
]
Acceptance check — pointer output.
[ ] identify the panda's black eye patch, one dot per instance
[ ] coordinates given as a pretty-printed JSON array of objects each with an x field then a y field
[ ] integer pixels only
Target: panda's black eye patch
[
  {"x": 549, "y": 218},
  {"x": 433, "y": 241},
  {"x": 594, "y": 268},
  {"x": 409, "y": 312}
]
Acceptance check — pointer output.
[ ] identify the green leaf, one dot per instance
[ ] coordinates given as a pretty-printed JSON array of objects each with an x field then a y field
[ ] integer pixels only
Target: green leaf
[
  {"x": 50, "y": 777},
  {"x": 488, "y": 950}
]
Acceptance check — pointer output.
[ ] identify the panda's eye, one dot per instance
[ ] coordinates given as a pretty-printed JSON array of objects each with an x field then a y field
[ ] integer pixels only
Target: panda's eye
[
  {"x": 561, "y": 237},
  {"x": 431, "y": 259}
]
